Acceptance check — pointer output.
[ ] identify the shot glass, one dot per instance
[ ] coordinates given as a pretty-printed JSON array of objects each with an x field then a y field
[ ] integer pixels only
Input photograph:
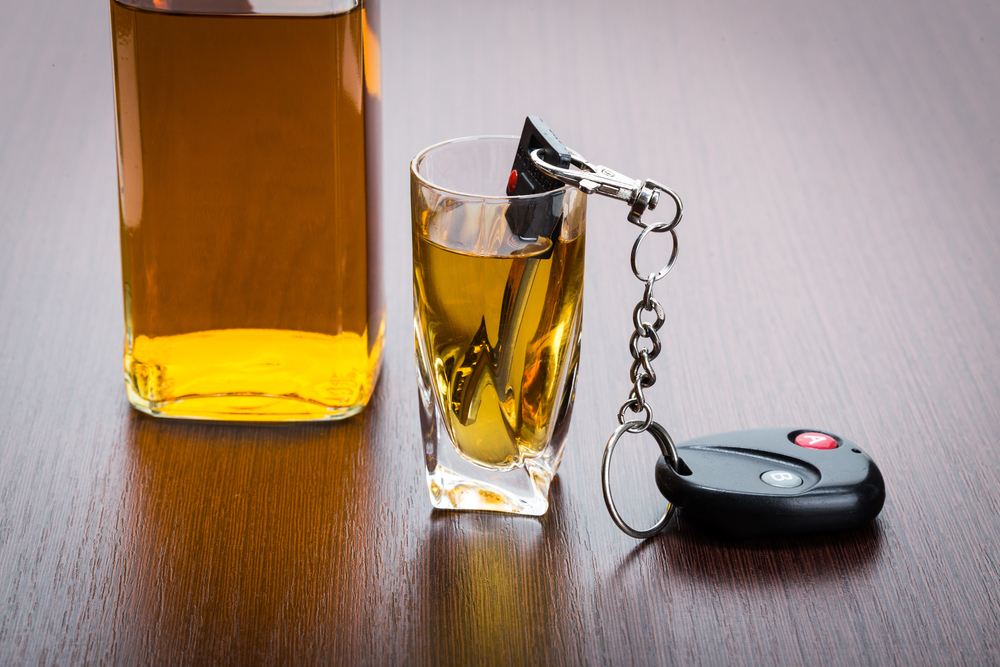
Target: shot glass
[{"x": 498, "y": 319}]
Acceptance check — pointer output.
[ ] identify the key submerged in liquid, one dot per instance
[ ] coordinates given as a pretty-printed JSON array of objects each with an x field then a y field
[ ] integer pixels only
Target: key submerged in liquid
[
  {"x": 499, "y": 339},
  {"x": 249, "y": 223}
]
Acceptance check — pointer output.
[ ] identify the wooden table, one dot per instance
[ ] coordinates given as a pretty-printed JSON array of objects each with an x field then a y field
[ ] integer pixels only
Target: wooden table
[{"x": 840, "y": 164}]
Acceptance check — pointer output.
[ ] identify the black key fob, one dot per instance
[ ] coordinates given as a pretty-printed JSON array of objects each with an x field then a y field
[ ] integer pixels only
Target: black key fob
[
  {"x": 529, "y": 219},
  {"x": 772, "y": 481}
]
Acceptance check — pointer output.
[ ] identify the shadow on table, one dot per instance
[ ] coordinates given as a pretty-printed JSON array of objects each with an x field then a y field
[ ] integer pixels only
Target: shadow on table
[
  {"x": 246, "y": 542},
  {"x": 783, "y": 562}
]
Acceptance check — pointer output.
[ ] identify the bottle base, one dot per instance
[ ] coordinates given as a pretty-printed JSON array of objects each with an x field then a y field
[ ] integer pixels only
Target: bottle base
[
  {"x": 252, "y": 375},
  {"x": 241, "y": 408}
]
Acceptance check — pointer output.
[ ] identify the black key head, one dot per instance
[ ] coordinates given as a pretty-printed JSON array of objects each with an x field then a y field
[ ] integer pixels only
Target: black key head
[{"x": 527, "y": 219}]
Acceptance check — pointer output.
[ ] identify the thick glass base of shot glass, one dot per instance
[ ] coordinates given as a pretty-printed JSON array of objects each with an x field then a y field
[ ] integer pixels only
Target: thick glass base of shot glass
[
  {"x": 455, "y": 483},
  {"x": 252, "y": 375}
]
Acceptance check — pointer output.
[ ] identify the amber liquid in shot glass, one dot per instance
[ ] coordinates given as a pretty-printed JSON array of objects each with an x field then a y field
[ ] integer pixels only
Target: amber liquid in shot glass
[{"x": 248, "y": 148}]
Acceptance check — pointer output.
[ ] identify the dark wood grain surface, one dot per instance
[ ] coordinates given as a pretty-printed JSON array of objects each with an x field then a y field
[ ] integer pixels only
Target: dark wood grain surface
[{"x": 838, "y": 270}]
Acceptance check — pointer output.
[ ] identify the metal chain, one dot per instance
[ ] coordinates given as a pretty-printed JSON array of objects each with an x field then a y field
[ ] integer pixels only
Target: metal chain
[
  {"x": 641, "y": 374},
  {"x": 644, "y": 344}
]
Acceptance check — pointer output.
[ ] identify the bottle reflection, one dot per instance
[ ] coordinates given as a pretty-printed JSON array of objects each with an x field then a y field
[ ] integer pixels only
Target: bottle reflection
[{"x": 245, "y": 548}]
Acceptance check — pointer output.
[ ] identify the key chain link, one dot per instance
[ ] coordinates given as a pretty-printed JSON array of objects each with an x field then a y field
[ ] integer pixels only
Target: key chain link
[
  {"x": 641, "y": 196},
  {"x": 643, "y": 377}
]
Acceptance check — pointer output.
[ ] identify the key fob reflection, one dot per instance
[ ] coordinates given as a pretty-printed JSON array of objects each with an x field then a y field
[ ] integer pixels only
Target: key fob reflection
[{"x": 773, "y": 481}]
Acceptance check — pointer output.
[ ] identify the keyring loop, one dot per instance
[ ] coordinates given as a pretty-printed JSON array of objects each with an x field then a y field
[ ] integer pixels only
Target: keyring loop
[
  {"x": 633, "y": 342},
  {"x": 656, "y": 227},
  {"x": 669, "y": 452},
  {"x": 655, "y": 308},
  {"x": 677, "y": 204},
  {"x": 647, "y": 294},
  {"x": 643, "y": 363},
  {"x": 637, "y": 425}
]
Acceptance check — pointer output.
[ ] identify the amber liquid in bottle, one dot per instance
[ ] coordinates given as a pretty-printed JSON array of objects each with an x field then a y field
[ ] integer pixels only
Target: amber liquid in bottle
[{"x": 249, "y": 221}]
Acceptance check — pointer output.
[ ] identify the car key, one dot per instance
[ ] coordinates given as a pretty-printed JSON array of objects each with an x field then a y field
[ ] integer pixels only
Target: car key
[
  {"x": 529, "y": 219},
  {"x": 772, "y": 481},
  {"x": 739, "y": 484}
]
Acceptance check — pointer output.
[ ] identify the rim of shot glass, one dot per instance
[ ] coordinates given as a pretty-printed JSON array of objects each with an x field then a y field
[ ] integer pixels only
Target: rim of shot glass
[{"x": 498, "y": 198}]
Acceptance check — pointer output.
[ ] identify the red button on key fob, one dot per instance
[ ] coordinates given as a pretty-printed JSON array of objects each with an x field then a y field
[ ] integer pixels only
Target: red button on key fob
[{"x": 815, "y": 441}]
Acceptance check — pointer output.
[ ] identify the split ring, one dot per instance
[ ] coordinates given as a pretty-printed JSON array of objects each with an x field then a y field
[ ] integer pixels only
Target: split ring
[
  {"x": 669, "y": 451},
  {"x": 657, "y": 227}
]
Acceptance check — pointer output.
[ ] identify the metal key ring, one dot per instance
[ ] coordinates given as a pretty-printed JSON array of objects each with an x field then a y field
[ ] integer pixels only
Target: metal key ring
[
  {"x": 656, "y": 227},
  {"x": 637, "y": 425},
  {"x": 678, "y": 206},
  {"x": 669, "y": 451}
]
